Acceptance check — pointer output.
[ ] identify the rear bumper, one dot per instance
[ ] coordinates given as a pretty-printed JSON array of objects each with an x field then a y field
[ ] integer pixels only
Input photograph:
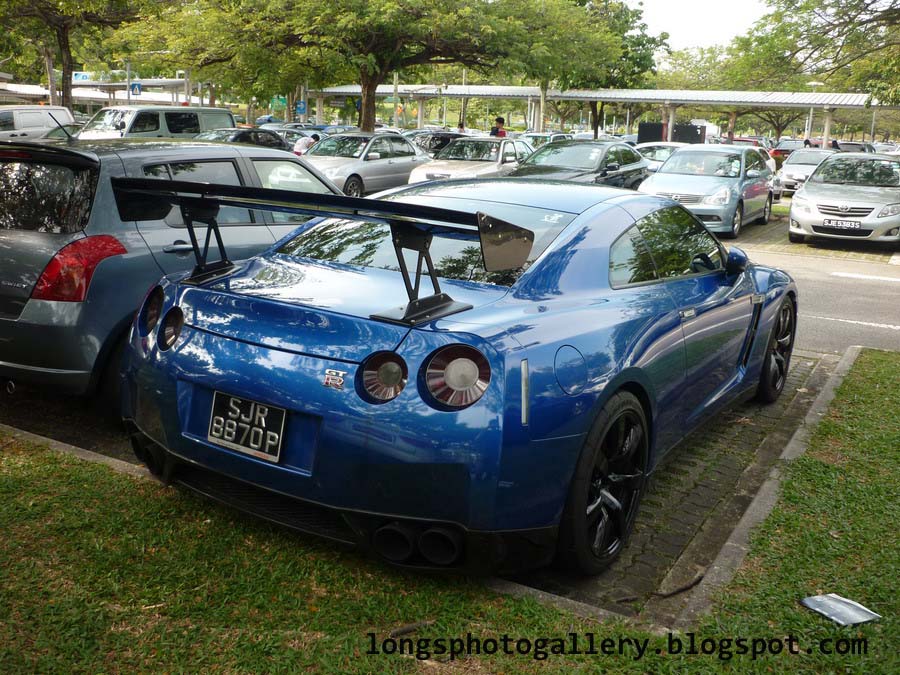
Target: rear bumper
[{"x": 478, "y": 553}]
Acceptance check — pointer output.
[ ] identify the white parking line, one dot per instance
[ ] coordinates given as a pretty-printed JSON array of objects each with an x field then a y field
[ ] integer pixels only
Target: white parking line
[
  {"x": 868, "y": 277},
  {"x": 857, "y": 323},
  {"x": 895, "y": 259}
]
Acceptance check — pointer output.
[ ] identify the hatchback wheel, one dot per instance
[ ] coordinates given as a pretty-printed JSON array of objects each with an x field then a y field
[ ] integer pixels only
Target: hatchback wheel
[
  {"x": 767, "y": 211},
  {"x": 607, "y": 487},
  {"x": 737, "y": 221},
  {"x": 778, "y": 354},
  {"x": 353, "y": 187}
]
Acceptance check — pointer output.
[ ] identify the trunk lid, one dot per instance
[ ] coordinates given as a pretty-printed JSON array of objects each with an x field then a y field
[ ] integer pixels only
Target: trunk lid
[{"x": 314, "y": 308}]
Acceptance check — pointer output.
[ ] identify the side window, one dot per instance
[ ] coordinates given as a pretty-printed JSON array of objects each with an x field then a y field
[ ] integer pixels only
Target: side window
[
  {"x": 680, "y": 245},
  {"x": 213, "y": 119},
  {"x": 382, "y": 147},
  {"x": 509, "y": 152},
  {"x": 630, "y": 261},
  {"x": 268, "y": 140},
  {"x": 613, "y": 156},
  {"x": 523, "y": 150},
  {"x": 221, "y": 173},
  {"x": 7, "y": 123},
  {"x": 145, "y": 122},
  {"x": 630, "y": 156},
  {"x": 183, "y": 122},
  {"x": 33, "y": 119},
  {"x": 755, "y": 161},
  {"x": 400, "y": 147},
  {"x": 284, "y": 175}
]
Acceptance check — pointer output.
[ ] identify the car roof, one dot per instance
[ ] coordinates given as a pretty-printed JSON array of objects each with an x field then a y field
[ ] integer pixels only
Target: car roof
[
  {"x": 719, "y": 147},
  {"x": 553, "y": 195},
  {"x": 100, "y": 148},
  {"x": 165, "y": 108}
]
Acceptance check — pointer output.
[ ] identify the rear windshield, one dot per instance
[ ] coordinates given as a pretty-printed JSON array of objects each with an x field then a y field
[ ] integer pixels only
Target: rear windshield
[
  {"x": 45, "y": 197},
  {"x": 811, "y": 157},
  {"x": 364, "y": 244}
]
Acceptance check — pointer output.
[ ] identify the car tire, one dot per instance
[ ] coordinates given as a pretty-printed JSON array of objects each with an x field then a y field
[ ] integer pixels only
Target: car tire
[
  {"x": 606, "y": 490},
  {"x": 777, "y": 360},
  {"x": 767, "y": 211},
  {"x": 109, "y": 399},
  {"x": 737, "y": 221},
  {"x": 354, "y": 187},
  {"x": 796, "y": 238}
]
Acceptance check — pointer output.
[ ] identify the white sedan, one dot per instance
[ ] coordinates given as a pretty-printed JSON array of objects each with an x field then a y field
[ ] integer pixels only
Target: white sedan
[{"x": 474, "y": 158}]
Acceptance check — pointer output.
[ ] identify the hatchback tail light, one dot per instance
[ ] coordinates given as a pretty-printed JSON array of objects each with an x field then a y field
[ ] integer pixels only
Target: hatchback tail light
[
  {"x": 384, "y": 376},
  {"x": 457, "y": 376},
  {"x": 68, "y": 274}
]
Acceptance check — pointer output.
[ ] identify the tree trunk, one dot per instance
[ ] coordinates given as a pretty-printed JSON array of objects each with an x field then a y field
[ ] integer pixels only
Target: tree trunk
[
  {"x": 595, "y": 117},
  {"x": 544, "y": 86},
  {"x": 47, "y": 55},
  {"x": 68, "y": 64},
  {"x": 212, "y": 94},
  {"x": 369, "y": 85}
]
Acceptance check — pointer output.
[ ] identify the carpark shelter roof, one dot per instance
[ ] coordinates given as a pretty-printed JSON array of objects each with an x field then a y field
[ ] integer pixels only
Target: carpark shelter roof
[{"x": 668, "y": 97}]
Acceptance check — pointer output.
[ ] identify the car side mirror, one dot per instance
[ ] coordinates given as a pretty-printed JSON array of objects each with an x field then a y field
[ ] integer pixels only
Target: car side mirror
[
  {"x": 736, "y": 262},
  {"x": 753, "y": 173},
  {"x": 120, "y": 125},
  {"x": 652, "y": 168},
  {"x": 373, "y": 155},
  {"x": 612, "y": 166}
]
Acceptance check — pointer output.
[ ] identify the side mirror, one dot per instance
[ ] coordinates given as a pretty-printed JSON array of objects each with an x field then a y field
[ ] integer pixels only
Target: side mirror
[
  {"x": 120, "y": 125},
  {"x": 753, "y": 173},
  {"x": 373, "y": 155},
  {"x": 653, "y": 168},
  {"x": 736, "y": 262},
  {"x": 613, "y": 166}
]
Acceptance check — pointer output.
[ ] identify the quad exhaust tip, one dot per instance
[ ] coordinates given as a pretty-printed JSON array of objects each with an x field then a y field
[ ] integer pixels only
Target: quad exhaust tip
[
  {"x": 395, "y": 541},
  {"x": 440, "y": 546}
]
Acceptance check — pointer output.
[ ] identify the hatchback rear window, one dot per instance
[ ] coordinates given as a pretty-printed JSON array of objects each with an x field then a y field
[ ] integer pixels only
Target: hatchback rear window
[{"x": 45, "y": 197}]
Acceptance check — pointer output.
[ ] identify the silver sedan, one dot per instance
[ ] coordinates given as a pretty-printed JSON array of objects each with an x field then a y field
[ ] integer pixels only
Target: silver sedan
[
  {"x": 799, "y": 165},
  {"x": 360, "y": 163},
  {"x": 849, "y": 196}
]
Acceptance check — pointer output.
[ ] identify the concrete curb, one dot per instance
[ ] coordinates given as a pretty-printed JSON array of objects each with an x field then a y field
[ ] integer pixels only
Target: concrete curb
[
  {"x": 81, "y": 453},
  {"x": 581, "y": 609},
  {"x": 735, "y": 549}
]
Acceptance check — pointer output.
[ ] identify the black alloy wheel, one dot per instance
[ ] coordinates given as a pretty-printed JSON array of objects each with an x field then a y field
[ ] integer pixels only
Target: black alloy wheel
[
  {"x": 777, "y": 361},
  {"x": 607, "y": 488}
]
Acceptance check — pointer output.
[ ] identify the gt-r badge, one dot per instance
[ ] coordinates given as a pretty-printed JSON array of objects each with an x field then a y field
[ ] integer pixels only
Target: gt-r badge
[{"x": 334, "y": 379}]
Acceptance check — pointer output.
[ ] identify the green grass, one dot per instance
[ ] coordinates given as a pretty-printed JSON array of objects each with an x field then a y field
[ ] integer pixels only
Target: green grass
[
  {"x": 779, "y": 210},
  {"x": 100, "y": 572}
]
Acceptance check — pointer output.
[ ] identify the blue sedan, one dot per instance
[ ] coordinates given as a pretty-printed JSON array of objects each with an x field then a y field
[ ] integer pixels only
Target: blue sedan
[{"x": 466, "y": 375}]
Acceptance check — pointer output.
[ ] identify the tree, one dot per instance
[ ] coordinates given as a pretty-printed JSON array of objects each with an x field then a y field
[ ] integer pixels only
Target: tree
[{"x": 62, "y": 19}]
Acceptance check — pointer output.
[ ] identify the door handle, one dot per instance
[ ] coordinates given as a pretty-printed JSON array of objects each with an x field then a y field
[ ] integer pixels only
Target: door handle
[
  {"x": 688, "y": 313},
  {"x": 178, "y": 247}
]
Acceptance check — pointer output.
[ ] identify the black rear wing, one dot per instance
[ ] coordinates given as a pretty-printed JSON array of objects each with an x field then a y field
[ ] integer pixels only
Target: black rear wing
[{"x": 504, "y": 246}]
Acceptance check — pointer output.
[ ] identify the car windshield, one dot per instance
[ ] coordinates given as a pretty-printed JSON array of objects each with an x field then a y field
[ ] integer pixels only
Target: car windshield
[
  {"x": 109, "y": 120},
  {"x": 723, "y": 164},
  {"x": 537, "y": 140},
  {"x": 740, "y": 141},
  {"x": 340, "y": 146},
  {"x": 365, "y": 244},
  {"x": 789, "y": 145},
  {"x": 576, "y": 156},
  {"x": 470, "y": 150},
  {"x": 805, "y": 157},
  {"x": 858, "y": 171}
]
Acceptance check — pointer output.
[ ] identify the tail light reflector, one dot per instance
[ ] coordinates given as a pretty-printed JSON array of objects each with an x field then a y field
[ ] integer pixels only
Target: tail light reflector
[
  {"x": 384, "y": 375},
  {"x": 457, "y": 376},
  {"x": 68, "y": 274}
]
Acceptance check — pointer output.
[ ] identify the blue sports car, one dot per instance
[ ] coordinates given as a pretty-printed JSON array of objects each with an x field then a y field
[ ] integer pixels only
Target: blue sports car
[{"x": 475, "y": 376}]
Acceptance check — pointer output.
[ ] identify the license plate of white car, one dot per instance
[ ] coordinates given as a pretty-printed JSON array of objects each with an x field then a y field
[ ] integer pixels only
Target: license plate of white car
[
  {"x": 246, "y": 426},
  {"x": 841, "y": 224}
]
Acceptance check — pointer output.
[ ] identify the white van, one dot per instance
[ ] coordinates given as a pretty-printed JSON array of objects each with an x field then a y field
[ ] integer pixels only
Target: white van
[
  {"x": 27, "y": 122},
  {"x": 155, "y": 121}
]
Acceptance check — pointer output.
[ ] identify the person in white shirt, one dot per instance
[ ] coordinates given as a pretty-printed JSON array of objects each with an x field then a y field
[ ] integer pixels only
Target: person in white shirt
[{"x": 305, "y": 143}]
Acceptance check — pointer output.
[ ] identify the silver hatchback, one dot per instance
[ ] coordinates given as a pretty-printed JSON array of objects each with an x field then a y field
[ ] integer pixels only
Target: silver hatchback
[{"x": 849, "y": 196}]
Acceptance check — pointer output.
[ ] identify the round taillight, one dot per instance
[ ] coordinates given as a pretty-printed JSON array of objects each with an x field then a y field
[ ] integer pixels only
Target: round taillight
[
  {"x": 384, "y": 376},
  {"x": 152, "y": 310},
  {"x": 171, "y": 328},
  {"x": 457, "y": 376}
]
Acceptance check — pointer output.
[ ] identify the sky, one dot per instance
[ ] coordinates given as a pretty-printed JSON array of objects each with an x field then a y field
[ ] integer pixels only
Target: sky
[{"x": 700, "y": 23}]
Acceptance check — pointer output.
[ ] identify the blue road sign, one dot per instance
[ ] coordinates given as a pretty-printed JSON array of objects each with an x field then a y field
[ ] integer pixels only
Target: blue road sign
[
  {"x": 135, "y": 88},
  {"x": 300, "y": 108}
]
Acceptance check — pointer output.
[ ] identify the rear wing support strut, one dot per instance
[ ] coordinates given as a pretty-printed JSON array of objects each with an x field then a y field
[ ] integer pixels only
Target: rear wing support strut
[{"x": 202, "y": 211}]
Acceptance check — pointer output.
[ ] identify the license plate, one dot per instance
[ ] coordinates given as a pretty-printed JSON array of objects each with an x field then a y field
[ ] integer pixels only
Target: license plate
[
  {"x": 246, "y": 426},
  {"x": 841, "y": 224}
]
